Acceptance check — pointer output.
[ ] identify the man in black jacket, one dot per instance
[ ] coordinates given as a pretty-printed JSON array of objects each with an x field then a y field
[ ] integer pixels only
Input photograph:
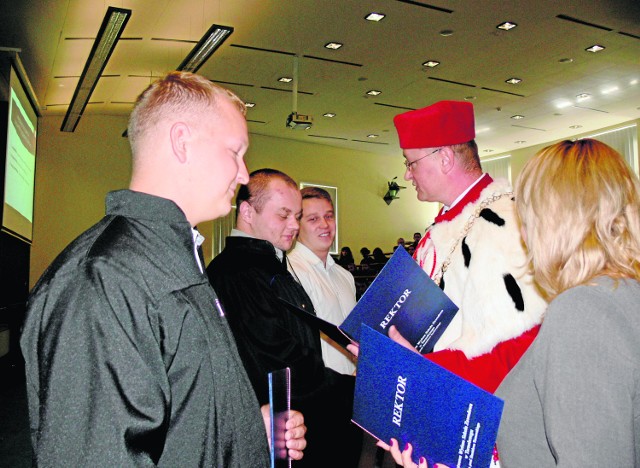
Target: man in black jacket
[
  {"x": 129, "y": 360},
  {"x": 249, "y": 276}
]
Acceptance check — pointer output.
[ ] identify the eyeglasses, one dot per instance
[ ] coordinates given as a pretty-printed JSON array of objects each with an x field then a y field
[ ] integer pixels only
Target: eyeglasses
[{"x": 408, "y": 164}]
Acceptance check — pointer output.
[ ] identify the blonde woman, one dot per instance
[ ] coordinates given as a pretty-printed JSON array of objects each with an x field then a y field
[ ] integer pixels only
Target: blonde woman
[{"x": 574, "y": 397}]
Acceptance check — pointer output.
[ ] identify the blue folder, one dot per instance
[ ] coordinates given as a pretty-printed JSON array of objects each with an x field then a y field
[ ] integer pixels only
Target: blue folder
[{"x": 403, "y": 395}]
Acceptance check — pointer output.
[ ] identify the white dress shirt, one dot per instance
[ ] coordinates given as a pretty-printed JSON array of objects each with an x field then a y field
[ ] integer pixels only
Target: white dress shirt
[{"x": 333, "y": 293}]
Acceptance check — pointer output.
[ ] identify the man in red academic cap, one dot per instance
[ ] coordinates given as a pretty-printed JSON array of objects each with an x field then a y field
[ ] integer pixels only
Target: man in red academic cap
[{"x": 473, "y": 250}]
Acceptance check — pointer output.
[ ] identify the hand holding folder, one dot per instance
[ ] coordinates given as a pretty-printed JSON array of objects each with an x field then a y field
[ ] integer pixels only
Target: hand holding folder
[{"x": 402, "y": 295}]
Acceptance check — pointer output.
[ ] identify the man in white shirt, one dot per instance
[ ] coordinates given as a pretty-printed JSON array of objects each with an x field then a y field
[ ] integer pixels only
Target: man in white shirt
[{"x": 331, "y": 288}]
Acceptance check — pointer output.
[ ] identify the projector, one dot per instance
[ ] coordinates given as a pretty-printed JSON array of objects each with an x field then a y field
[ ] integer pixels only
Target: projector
[{"x": 299, "y": 122}]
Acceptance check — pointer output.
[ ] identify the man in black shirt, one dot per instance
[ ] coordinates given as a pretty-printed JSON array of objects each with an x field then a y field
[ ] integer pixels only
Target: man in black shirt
[
  {"x": 250, "y": 275},
  {"x": 129, "y": 359}
]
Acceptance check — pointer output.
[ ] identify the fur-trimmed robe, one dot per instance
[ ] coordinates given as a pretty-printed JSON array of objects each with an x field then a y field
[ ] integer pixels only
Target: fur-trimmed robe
[{"x": 487, "y": 278}]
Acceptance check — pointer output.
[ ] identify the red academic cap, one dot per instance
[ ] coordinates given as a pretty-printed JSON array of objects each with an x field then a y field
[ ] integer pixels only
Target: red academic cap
[{"x": 441, "y": 124}]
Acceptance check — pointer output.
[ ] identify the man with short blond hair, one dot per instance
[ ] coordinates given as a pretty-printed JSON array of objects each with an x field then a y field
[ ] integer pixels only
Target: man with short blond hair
[{"x": 129, "y": 358}]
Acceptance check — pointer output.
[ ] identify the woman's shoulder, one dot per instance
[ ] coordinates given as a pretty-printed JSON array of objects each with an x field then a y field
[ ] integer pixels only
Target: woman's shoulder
[{"x": 602, "y": 307}]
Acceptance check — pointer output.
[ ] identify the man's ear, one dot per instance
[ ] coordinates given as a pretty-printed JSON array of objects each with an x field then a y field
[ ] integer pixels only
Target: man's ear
[
  {"x": 447, "y": 159},
  {"x": 180, "y": 135},
  {"x": 245, "y": 212}
]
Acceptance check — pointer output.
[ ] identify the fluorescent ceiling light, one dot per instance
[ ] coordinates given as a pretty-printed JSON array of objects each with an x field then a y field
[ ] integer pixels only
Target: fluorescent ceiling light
[
  {"x": 506, "y": 26},
  {"x": 520, "y": 142},
  {"x": 610, "y": 90},
  {"x": 285, "y": 79},
  {"x": 333, "y": 45},
  {"x": 209, "y": 43},
  {"x": 514, "y": 80},
  {"x": 583, "y": 96},
  {"x": 469, "y": 98},
  {"x": 575, "y": 126},
  {"x": 375, "y": 17},
  {"x": 372, "y": 135},
  {"x": 329, "y": 114},
  {"x": 249, "y": 105},
  {"x": 517, "y": 117},
  {"x": 374, "y": 92},
  {"x": 431, "y": 63},
  {"x": 595, "y": 48},
  {"x": 110, "y": 31}
]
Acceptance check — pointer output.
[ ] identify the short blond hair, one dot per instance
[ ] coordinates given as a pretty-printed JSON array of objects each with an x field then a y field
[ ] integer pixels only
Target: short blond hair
[
  {"x": 579, "y": 206},
  {"x": 176, "y": 94}
]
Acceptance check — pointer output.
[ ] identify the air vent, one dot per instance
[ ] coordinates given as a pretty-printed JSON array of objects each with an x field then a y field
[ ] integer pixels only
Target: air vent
[
  {"x": 628, "y": 34},
  {"x": 231, "y": 83},
  {"x": 394, "y": 106},
  {"x": 328, "y": 137},
  {"x": 167, "y": 39},
  {"x": 259, "y": 49},
  {"x": 426, "y": 5},
  {"x": 332, "y": 61},
  {"x": 590, "y": 108},
  {"x": 285, "y": 90},
  {"x": 582, "y": 22},
  {"x": 371, "y": 142},
  {"x": 502, "y": 92},
  {"x": 452, "y": 82},
  {"x": 530, "y": 128}
]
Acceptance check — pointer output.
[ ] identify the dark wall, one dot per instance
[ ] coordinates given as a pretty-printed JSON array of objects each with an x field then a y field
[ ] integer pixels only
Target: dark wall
[{"x": 14, "y": 286}]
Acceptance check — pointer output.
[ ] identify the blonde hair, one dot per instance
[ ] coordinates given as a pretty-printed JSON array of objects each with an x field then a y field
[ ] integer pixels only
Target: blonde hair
[
  {"x": 177, "y": 94},
  {"x": 579, "y": 206}
]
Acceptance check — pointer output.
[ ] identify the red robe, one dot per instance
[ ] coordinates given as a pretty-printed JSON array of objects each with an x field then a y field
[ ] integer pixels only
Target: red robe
[{"x": 498, "y": 319}]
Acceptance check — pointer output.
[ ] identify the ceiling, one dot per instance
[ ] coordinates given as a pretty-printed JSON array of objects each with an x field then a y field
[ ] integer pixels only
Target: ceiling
[{"x": 546, "y": 50}]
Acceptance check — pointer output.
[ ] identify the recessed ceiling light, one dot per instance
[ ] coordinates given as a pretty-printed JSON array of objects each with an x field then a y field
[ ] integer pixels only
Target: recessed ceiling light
[
  {"x": 566, "y": 60},
  {"x": 329, "y": 114},
  {"x": 506, "y": 26},
  {"x": 517, "y": 117},
  {"x": 595, "y": 48},
  {"x": 583, "y": 96},
  {"x": 375, "y": 17},
  {"x": 469, "y": 98},
  {"x": 333, "y": 45},
  {"x": 249, "y": 104},
  {"x": 514, "y": 80},
  {"x": 575, "y": 126},
  {"x": 285, "y": 79},
  {"x": 519, "y": 142},
  {"x": 374, "y": 92},
  {"x": 372, "y": 135},
  {"x": 431, "y": 63},
  {"x": 446, "y": 33}
]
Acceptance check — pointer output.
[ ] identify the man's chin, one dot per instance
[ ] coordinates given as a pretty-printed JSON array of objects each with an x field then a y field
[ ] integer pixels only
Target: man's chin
[{"x": 222, "y": 211}]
